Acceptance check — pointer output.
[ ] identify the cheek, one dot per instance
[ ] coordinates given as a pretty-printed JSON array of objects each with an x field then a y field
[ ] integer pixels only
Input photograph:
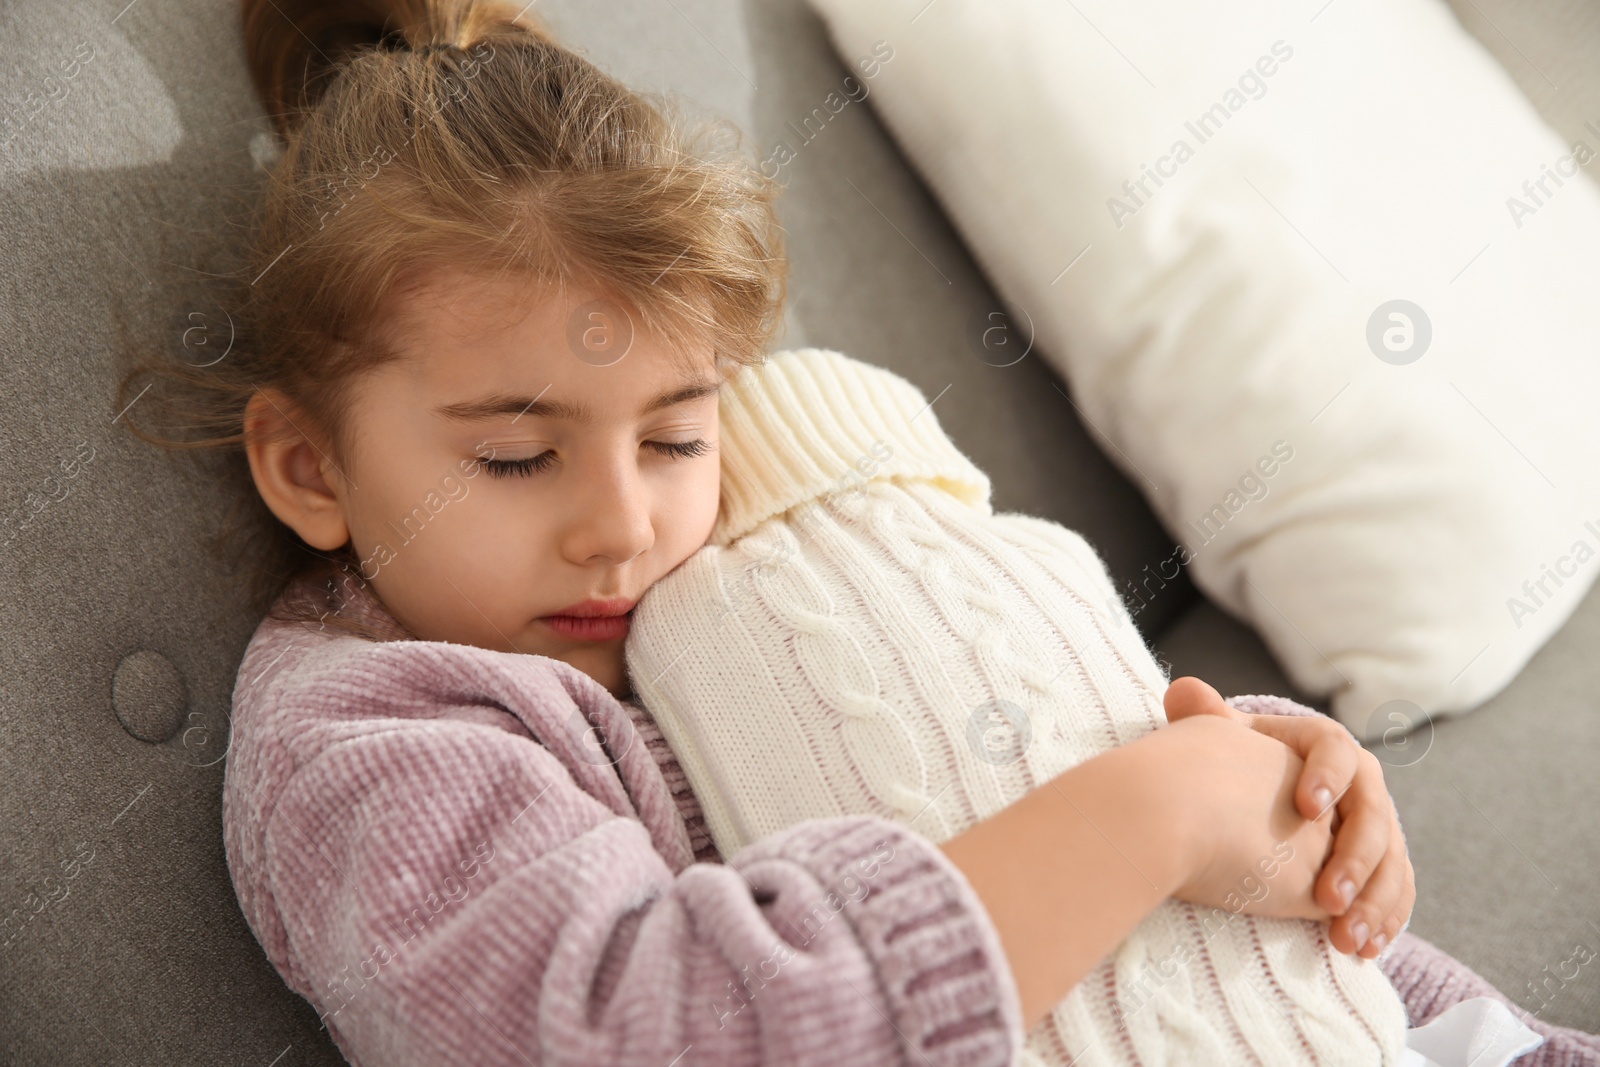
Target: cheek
[
  {"x": 688, "y": 511},
  {"x": 452, "y": 560}
]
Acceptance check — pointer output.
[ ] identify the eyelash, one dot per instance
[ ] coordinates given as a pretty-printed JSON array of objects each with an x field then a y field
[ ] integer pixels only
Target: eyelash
[{"x": 508, "y": 468}]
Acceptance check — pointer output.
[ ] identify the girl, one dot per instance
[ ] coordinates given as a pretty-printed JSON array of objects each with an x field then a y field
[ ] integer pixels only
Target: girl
[{"x": 491, "y": 299}]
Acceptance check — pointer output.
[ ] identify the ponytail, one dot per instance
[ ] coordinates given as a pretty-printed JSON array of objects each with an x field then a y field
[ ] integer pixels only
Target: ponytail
[{"x": 295, "y": 47}]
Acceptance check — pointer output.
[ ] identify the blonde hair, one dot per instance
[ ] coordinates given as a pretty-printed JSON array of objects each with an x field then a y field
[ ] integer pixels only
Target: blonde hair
[{"x": 424, "y": 133}]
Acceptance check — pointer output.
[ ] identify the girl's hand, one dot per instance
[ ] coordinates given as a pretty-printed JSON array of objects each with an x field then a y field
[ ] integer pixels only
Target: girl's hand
[
  {"x": 1202, "y": 810},
  {"x": 1243, "y": 845},
  {"x": 1368, "y": 882}
]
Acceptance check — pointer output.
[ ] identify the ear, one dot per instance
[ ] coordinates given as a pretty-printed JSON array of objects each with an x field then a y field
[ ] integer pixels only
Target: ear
[{"x": 295, "y": 475}]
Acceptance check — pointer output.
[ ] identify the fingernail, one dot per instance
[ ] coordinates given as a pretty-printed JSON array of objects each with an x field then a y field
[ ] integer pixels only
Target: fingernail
[
  {"x": 1347, "y": 891},
  {"x": 1322, "y": 798},
  {"x": 1359, "y": 932},
  {"x": 1379, "y": 940}
]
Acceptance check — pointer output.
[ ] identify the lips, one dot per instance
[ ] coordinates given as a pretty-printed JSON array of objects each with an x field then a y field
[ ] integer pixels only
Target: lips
[
  {"x": 592, "y": 620},
  {"x": 594, "y": 609}
]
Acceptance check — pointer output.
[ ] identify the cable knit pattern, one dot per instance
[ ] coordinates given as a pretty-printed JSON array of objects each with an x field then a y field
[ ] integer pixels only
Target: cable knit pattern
[
  {"x": 887, "y": 645},
  {"x": 432, "y": 851}
]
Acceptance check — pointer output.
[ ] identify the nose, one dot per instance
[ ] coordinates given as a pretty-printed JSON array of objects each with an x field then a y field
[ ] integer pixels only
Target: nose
[{"x": 609, "y": 521}]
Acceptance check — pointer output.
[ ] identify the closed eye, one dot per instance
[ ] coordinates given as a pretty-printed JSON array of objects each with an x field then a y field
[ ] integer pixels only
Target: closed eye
[
  {"x": 512, "y": 468},
  {"x": 681, "y": 449}
]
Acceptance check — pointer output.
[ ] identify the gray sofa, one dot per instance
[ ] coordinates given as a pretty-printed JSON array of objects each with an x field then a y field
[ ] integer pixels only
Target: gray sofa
[{"x": 126, "y": 166}]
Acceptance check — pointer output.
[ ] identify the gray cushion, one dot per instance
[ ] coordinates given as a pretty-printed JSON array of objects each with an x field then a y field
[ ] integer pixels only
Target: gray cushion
[{"x": 118, "y": 196}]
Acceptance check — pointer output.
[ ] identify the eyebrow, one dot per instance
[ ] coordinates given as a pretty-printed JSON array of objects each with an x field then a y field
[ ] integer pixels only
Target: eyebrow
[{"x": 496, "y": 404}]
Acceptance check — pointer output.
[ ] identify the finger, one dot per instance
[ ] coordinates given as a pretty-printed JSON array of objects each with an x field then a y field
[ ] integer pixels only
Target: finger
[
  {"x": 1402, "y": 912},
  {"x": 1373, "y": 915},
  {"x": 1190, "y": 696},
  {"x": 1388, "y": 928},
  {"x": 1331, "y": 754},
  {"x": 1311, "y": 847},
  {"x": 1329, "y": 772},
  {"x": 1363, "y": 839}
]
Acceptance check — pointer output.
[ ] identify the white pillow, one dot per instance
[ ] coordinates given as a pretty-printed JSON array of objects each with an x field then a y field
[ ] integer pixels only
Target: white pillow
[{"x": 1391, "y": 521}]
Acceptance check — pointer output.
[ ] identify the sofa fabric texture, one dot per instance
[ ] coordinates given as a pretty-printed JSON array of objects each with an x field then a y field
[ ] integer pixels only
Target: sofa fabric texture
[{"x": 129, "y": 140}]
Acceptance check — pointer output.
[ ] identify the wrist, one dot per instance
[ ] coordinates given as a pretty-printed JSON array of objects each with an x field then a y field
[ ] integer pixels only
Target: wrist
[
  {"x": 1071, "y": 868},
  {"x": 1166, "y": 832}
]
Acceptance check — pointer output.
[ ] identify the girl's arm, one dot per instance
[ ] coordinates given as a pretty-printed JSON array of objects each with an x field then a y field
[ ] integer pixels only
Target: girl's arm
[
  {"x": 429, "y": 850},
  {"x": 1202, "y": 810}
]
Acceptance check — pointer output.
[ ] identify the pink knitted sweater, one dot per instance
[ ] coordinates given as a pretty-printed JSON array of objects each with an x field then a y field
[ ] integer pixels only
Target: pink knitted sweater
[{"x": 433, "y": 850}]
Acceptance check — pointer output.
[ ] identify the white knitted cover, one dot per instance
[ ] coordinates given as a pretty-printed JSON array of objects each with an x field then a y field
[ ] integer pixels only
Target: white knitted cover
[{"x": 884, "y": 643}]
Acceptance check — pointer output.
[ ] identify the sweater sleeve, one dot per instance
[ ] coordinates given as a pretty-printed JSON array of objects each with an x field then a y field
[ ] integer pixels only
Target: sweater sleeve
[{"x": 441, "y": 865}]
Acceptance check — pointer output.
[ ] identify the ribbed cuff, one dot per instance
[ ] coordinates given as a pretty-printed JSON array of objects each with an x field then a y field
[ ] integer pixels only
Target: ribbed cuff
[
  {"x": 812, "y": 421},
  {"x": 949, "y": 987}
]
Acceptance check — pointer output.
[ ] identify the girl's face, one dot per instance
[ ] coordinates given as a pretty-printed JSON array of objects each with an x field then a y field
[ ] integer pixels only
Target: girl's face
[{"x": 520, "y": 467}]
